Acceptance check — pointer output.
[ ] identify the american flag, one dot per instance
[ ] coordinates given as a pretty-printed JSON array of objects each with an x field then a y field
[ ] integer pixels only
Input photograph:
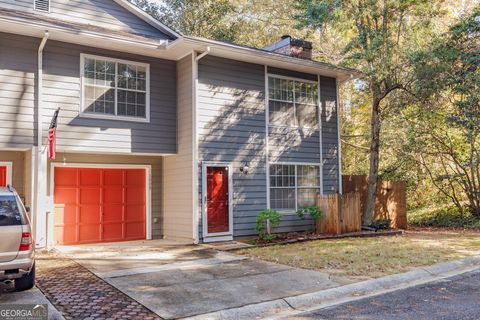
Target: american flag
[{"x": 52, "y": 136}]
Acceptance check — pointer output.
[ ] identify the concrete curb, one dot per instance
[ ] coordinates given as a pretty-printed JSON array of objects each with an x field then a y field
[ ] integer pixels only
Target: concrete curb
[{"x": 289, "y": 306}]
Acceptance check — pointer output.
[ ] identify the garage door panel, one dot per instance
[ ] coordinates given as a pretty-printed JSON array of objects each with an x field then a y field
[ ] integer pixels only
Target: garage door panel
[
  {"x": 113, "y": 194},
  {"x": 69, "y": 215},
  {"x": 90, "y": 195},
  {"x": 113, "y": 231},
  {"x": 90, "y": 177},
  {"x": 89, "y": 233},
  {"x": 65, "y": 195},
  {"x": 113, "y": 177},
  {"x": 66, "y": 234},
  {"x": 135, "y": 230},
  {"x": 99, "y": 205},
  {"x": 135, "y": 177},
  {"x": 112, "y": 212},
  {"x": 90, "y": 214},
  {"x": 65, "y": 177},
  {"x": 134, "y": 213},
  {"x": 135, "y": 195}
]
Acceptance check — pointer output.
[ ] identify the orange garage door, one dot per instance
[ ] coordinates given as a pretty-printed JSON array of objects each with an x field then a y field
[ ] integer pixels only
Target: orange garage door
[{"x": 99, "y": 205}]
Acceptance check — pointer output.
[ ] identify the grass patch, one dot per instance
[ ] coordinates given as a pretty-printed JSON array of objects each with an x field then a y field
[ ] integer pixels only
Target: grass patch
[
  {"x": 364, "y": 258},
  {"x": 445, "y": 217}
]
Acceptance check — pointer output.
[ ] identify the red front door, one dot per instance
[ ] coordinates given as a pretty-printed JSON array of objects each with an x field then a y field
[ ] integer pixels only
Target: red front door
[
  {"x": 217, "y": 200},
  {"x": 3, "y": 176},
  {"x": 99, "y": 205}
]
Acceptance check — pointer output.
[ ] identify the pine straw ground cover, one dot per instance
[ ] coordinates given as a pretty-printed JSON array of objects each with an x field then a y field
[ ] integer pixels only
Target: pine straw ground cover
[{"x": 365, "y": 258}]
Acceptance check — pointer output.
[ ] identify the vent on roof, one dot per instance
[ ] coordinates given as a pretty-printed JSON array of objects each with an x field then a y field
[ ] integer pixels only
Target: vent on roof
[{"x": 41, "y": 5}]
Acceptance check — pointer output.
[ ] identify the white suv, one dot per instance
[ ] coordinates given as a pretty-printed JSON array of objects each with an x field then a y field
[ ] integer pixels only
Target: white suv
[{"x": 17, "y": 249}]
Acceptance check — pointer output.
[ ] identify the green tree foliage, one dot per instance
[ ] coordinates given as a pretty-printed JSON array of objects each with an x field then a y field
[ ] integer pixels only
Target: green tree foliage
[
  {"x": 445, "y": 128},
  {"x": 202, "y": 18},
  {"x": 380, "y": 34}
]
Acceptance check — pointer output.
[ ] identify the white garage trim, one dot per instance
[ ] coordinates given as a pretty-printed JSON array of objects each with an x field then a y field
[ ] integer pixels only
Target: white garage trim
[
  {"x": 9, "y": 166},
  {"x": 148, "y": 186}
]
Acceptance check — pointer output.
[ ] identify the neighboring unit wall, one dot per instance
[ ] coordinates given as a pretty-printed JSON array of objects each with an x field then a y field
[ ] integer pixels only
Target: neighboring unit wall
[
  {"x": 156, "y": 178},
  {"x": 231, "y": 121},
  {"x": 18, "y": 65},
  {"x": 178, "y": 175},
  {"x": 101, "y": 13},
  {"x": 328, "y": 99},
  {"x": 62, "y": 89},
  {"x": 17, "y": 158}
]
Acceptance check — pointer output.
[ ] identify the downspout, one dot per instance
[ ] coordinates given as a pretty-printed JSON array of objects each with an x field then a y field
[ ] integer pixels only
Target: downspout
[
  {"x": 203, "y": 54},
  {"x": 38, "y": 157},
  {"x": 196, "y": 239}
]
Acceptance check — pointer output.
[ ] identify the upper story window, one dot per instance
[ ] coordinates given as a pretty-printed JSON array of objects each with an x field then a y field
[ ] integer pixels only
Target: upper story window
[
  {"x": 115, "y": 89},
  {"x": 292, "y": 102}
]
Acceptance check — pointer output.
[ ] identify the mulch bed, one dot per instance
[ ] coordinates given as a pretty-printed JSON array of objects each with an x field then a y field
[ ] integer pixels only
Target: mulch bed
[
  {"x": 79, "y": 294},
  {"x": 293, "y": 237}
]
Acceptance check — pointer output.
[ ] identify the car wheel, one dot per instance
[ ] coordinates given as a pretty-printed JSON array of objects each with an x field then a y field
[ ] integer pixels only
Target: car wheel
[{"x": 27, "y": 281}]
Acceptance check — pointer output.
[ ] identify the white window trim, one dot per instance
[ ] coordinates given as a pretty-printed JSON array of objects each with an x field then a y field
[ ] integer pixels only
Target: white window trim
[
  {"x": 84, "y": 114},
  {"x": 296, "y": 164},
  {"x": 48, "y": 11},
  {"x": 268, "y": 99}
]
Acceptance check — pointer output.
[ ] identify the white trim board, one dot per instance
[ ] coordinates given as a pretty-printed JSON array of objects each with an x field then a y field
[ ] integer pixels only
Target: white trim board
[
  {"x": 218, "y": 236},
  {"x": 147, "y": 18},
  {"x": 339, "y": 147},
  {"x": 9, "y": 165},
  {"x": 148, "y": 187}
]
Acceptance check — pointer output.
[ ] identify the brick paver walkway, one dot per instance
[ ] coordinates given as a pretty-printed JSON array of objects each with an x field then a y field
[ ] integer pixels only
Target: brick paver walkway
[{"x": 79, "y": 294}]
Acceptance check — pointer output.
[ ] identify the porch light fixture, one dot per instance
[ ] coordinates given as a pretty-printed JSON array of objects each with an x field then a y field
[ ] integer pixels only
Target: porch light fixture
[{"x": 244, "y": 168}]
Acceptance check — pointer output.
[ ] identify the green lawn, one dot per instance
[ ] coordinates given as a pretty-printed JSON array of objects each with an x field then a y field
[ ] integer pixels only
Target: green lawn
[{"x": 364, "y": 258}]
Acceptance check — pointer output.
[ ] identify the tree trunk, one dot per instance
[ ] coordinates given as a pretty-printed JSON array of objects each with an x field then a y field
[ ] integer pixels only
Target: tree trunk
[{"x": 374, "y": 159}]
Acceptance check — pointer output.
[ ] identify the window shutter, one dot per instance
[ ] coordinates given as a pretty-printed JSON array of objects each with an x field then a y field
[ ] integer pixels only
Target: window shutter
[{"x": 41, "y": 5}]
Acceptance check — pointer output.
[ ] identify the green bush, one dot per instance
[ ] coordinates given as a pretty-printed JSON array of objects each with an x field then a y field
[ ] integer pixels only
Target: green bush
[
  {"x": 442, "y": 217},
  {"x": 313, "y": 211},
  {"x": 261, "y": 226}
]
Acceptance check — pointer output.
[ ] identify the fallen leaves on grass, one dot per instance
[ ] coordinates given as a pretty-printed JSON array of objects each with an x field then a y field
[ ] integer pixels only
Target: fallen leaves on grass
[{"x": 363, "y": 258}]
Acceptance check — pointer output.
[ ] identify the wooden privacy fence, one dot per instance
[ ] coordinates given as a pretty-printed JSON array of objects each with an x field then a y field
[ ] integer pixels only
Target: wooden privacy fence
[
  {"x": 341, "y": 213},
  {"x": 390, "y": 203}
]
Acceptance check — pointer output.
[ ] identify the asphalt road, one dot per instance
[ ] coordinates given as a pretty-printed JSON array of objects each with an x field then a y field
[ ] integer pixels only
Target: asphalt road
[{"x": 454, "y": 298}]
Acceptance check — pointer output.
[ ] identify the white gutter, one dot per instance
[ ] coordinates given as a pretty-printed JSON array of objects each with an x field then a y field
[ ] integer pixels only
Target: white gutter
[
  {"x": 151, "y": 44},
  {"x": 195, "y": 60},
  {"x": 37, "y": 197},
  {"x": 203, "y": 54},
  {"x": 147, "y": 18},
  {"x": 347, "y": 73}
]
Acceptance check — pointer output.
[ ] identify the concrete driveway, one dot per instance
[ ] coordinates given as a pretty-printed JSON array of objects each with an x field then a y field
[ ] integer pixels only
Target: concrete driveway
[{"x": 177, "y": 281}]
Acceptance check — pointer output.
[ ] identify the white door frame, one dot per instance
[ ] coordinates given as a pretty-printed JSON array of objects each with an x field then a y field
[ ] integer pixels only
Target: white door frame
[
  {"x": 9, "y": 165},
  {"x": 148, "y": 184},
  {"x": 218, "y": 236}
]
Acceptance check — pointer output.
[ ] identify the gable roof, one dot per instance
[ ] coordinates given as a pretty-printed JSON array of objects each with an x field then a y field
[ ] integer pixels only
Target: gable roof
[
  {"x": 35, "y": 25},
  {"x": 127, "y": 5}
]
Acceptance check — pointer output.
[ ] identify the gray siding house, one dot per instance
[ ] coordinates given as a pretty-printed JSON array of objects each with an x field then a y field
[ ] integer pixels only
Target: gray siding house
[{"x": 159, "y": 135}]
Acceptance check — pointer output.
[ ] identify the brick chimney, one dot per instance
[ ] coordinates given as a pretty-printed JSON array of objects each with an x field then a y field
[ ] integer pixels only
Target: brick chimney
[{"x": 292, "y": 47}]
